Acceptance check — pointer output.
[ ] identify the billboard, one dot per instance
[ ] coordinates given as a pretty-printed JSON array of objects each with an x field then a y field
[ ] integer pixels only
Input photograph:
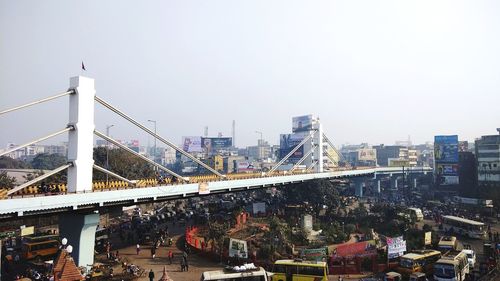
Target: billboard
[
  {"x": 302, "y": 123},
  {"x": 367, "y": 154},
  {"x": 447, "y": 174},
  {"x": 191, "y": 144},
  {"x": 446, "y": 159},
  {"x": 354, "y": 249},
  {"x": 318, "y": 254},
  {"x": 288, "y": 142},
  {"x": 446, "y": 149},
  {"x": 244, "y": 166},
  {"x": 395, "y": 247},
  {"x": 463, "y": 146},
  {"x": 238, "y": 248},
  {"x": 216, "y": 143}
]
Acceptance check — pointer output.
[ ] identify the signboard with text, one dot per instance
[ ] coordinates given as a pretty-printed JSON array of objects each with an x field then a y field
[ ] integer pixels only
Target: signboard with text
[
  {"x": 395, "y": 247},
  {"x": 446, "y": 159}
]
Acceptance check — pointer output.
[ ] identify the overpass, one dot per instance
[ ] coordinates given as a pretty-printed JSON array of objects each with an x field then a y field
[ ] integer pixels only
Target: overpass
[{"x": 78, "y": 206}]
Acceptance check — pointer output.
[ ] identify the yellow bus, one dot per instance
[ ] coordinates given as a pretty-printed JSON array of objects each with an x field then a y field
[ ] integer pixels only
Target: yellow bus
[
  {"x": 418, "y": 261},
  {"x": 38, "y": 250},
  {"x": 299, "y": 270}
]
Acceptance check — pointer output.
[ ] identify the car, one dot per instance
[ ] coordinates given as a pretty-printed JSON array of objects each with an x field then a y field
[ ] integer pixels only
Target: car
[{"x": 471, "y": 257}]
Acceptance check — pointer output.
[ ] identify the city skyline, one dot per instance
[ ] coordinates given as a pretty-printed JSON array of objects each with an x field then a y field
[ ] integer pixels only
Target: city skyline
[{"x": 374, "y": 74}]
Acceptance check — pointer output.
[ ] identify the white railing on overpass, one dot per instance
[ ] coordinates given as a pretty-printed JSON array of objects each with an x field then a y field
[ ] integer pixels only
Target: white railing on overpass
[{"x": 94, "y": 200}]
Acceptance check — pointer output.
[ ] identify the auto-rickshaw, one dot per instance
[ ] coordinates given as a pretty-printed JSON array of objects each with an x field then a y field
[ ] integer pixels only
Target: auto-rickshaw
[{"x": 393, "y": 276}]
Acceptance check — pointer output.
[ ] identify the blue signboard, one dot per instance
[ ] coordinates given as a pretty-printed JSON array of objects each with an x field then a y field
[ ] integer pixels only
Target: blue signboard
[{"x": 446, "y": 149}]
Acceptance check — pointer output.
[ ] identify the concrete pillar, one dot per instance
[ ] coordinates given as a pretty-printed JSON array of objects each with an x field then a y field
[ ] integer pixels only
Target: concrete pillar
[
  {"x": 394, "y": 183},
  {"x": 378, "y": 186},
  {"x": 318, "y": 141},
  {"x": 81, "y": 140},
  {"x": 414, "y": 182},
  {"x": 359, "y": 185},
  {"x": 80, "y": 229}
]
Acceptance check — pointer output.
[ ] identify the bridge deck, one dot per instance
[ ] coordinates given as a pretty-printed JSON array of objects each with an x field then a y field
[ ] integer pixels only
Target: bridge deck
[{"x": 121, "y": 197}]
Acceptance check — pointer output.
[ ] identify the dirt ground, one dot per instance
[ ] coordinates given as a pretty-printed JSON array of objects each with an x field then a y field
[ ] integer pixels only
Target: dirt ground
[{"x": 197, "y": 263}]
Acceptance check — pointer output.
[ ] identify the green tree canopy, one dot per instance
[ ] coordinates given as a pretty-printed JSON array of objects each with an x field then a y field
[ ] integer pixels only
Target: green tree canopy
[
  {"x": 45, "y": 161},
  {"x": 122, "y": 163},
  {"x": 9, "y": 163}
]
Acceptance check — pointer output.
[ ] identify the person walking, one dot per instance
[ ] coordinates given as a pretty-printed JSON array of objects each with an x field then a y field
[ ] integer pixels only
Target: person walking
[
  {"x": 153, "y": 252},
  {"x": 151, "y": 275},
  {"x": 186, "y": 264},
  {"x": 138, "y": 249},
  {"x": 170, "y": 256},
  {"x": 183, "y": 265}
]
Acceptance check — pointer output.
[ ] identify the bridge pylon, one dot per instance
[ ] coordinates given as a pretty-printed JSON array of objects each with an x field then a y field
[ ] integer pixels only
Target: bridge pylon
[{"x": 81, "y": 139}]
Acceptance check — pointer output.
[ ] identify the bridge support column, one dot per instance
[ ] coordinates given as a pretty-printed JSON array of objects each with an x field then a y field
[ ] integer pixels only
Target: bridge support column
[
  {"x": 81, "y": 139},
  {"x": 378, "y": 186},
  {"x": 415, "y": 182},
  {"x": 359, "y": 185},
  {"x": 80, "y": 229},
  {"x": 394, "y": 183}
]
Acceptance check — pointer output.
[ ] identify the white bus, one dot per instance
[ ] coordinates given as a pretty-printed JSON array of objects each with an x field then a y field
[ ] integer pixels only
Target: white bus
[
  {"x": 416, "y": 214},
  {"x": 465, "y": 227},
  {"x": 451, "y": 267},
  {"x": 256, "y": 274}
]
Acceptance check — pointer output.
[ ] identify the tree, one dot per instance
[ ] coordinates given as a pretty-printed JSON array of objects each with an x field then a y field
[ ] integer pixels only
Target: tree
[
  {"x": 217, "y": 232},
  {"x": 45, "y": 161},
  {"x": 318, "y": 192},
  {"x": 122, "y": 163},
  {"x": 9, "y": 163},
  {"x": 6, "y": 181}
]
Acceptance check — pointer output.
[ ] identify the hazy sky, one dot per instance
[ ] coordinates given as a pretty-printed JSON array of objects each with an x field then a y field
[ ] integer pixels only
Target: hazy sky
[{"x": 373, "y": 71}]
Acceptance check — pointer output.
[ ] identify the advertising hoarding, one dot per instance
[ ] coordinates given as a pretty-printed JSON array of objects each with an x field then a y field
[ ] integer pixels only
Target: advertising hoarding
[
  {"x": 395, "y": 247},
  {"x": 238, "y": 248},
  {"x": 244, "y": 166},
  {"x": 446, "y": 149},
  {"x": 446, "y": 159},
  {"x": 302, "y": 123},
  {"x": 354, "y": 249},
  {"x": 317, "y": 254},
  {"x": 463, "y": 146},
  {"x": 288, "y": 142},
  {"x": 447, "y": 174},
  {"x": 191, "y": 144},
  {"x": 216, "y": 143},
  {"x": 367, "y": 154}
]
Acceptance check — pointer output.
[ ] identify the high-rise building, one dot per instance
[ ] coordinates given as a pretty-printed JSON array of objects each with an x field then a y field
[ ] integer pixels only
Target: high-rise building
[
  {"x": 386, "y": 152},
  {"x": 488, "y": 160}
]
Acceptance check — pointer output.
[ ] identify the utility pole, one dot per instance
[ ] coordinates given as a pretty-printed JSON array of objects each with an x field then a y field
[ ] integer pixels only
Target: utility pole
[{"x": 107, "y": 154}]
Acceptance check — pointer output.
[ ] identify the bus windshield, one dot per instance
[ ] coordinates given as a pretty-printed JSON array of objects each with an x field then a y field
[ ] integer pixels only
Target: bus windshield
[
  {"x": 444, "y": 270},
  {"x": 406, "y": 263}
]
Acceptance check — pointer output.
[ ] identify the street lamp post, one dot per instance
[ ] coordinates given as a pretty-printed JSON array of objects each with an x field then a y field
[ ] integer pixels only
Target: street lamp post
[
  {"x": 154, "y": 153},
  {"x": 107, "y": 156}
]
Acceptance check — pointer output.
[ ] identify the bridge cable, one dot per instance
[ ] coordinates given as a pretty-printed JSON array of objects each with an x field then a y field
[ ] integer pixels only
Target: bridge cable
[
  {"x": 341, "y": 156},
  {"x": 101, "y": 169},
  {"x": 69, "y": 128},
  {"x": 44, "y": 176},
  {"x": 69, "y": 92},
  {"x": 144, "y": 128},
  {"x": 313, "y": 164},
  {"x": 99, "y": 134},
  {"x": 291, "y": 152},
  {"x": 303, "y": 158}
]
